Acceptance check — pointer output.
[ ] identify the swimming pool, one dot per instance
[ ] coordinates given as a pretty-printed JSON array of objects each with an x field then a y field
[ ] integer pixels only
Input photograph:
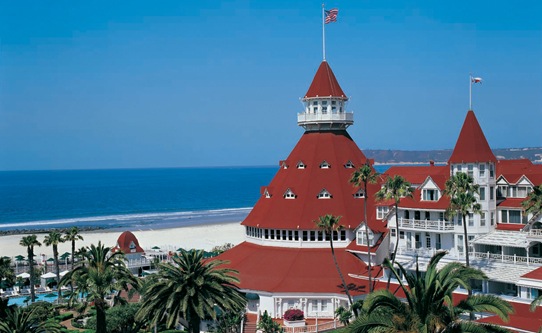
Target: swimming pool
[{"x": 23, "y": 300}]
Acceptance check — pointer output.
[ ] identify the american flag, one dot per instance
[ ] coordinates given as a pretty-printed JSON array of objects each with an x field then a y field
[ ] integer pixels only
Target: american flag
[
  {"x": 331, "y": 15},
  {"x": 476, "y": 80}
]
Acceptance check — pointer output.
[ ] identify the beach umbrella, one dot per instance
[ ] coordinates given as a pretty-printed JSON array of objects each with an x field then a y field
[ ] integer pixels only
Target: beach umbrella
[
  {"x": 65, "y": 255},
  {"x": 49, "y": 275},
  {"x": 155, "y": 247},
  {"x": 24, "y": 275},
  {"x": 19, "y": 257},
  {"x": 50, "y": 260}
]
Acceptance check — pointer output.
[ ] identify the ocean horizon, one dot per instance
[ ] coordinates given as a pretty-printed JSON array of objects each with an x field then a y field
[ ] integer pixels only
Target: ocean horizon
[{"x": 134, "y": 199}]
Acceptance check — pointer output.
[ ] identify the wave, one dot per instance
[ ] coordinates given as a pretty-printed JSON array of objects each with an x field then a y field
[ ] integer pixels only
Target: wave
[{"x": 150, "y": 220}]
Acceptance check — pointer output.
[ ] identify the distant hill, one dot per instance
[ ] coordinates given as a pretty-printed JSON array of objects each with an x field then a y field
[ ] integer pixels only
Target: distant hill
[{"x": 441, "y": 156}]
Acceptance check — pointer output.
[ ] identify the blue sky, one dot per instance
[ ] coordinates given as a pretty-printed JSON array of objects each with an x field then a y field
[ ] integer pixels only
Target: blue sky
[{"x": 128, "y": 84}]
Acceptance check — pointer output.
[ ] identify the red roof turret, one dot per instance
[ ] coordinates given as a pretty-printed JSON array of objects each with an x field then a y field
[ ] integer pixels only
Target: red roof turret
[
  {"x": 471, "y": 146},
  {"x": 325, "y": 84},
  {"x": 127, "y": 243}
]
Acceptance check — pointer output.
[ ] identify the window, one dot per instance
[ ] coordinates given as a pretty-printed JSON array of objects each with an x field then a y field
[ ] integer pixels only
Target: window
[
  {"x": 349, "y": 165},
  {"x": 343, "y": 235},
  {"x": 471, "y": 220},
  {"x": 320, "y": 236},
  {"x": 266, "y": 233},
  {"x": 407, "y": 214},
  {"x": 492, "y": 218},
  {"x": 427, "y": 215},
  {"x": 430, "y": 195},
  {"x": 427, "y": 241},
  {"x": 290, "y": 235},
  {"x": 324, "y": 194},
  {"x": 491, "y": 195},
  {"x": 418, "y": 242},
  {"x": 325, "y": 165},
  {"x": 284, "y": 237},
  {"x": 514, "y": 216},
  {"x": 504, "y": 216},
  {"x": 289, "y": 194},
  {"x": 267, "y": 194},
  {"x": 409, "y": 240},
  {"x": 438, "y": 243},
  {"x": 401, "y": 234},
  {"x": 482, "y": 193},
  {"x": 314, "y": 305},
  {"x": 441, "y": 216},
  {"x": 335, "y": 235},
  {"x": 312, "y": 235},
  {"x": 522, "y": 191},
  {"x": 301, "y": 165},
  {"x": 482, "y": 219},
  {"x": 359, "y": 194},
  {"x": 381, "y": 211},
  {"x": 470, "y": 170},
  {"x": 460, "y": 244},
  {"x": 324, "y": 305},
  {"x": 491, "y": 171},
  {"x": 305, "y": 235},
  {"x": 393, "y": 232},
  {"x": 482, "y": 170},
  {"x": 272, "y": 233}
]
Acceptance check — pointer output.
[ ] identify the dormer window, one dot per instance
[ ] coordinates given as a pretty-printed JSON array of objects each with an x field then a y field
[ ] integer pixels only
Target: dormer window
[
  {"x": 359, "y": 194},
  {"x": 301, "y": 165},
  {"x": 349, "y": 165},
  {"x": 325, "y": 165},
  {"x": 289, "y": 194},
  {"x": 283, "y": 164},
  {"x": 430, "y": 195},
  {"x": 267, "y": 194},
  {"x": 381, "y": 211},
  {"x": 324, "y": 194}
]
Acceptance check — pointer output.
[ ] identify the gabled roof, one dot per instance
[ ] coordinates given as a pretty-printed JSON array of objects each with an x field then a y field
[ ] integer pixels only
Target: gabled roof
[
  {"x": 513, "y": 170},
  {"x": 471, "y": 145},
  {"x": 298, "y": 270},
  {"x": 417, "y": 175},
  {"x": 325, "y": 84},
  {"x": 127, "y": 243},
  {"x": 335, "y": 147}
]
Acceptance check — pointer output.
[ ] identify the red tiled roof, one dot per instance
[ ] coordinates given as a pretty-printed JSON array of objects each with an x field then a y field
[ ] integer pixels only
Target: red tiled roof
[
  {"x": 300, "y": 270},
  {"x": 417, "y": 202},
  {"x": 511, "y": 203},
  {"x": 522, "y": 318},
  {"x": 513, "y": 170},
  {"x": 535, "y": 274},
  {"x": 418, "y": 174},
  {"x": 127, "y": 243},
  {"x": 471, "y": 145},
  {"x": 335, "y": 147},
  {"x": 510, "y": 226},
  {"x": 325, "y": 84}
]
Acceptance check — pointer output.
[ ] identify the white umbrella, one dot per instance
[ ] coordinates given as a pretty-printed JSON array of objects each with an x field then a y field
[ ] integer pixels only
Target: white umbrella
[
  {"x": 64, "y": 273},
  {"x": 49, "y": 275},
  {"x": 24, "y": 275}
]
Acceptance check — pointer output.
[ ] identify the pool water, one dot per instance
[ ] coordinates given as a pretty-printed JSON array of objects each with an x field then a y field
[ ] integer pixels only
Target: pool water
[{"x": 24, "y": 300}]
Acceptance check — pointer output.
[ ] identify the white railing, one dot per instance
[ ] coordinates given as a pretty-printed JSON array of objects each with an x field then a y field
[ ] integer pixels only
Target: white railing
[
  {"x": 417, "y": 252},
  {"x": 509, "y": 258},
  {"x": 325, "y": 117},
  {"x": 132, "y": 263},
  {"x": 426, "y": 224},
  {"x": 535, "y": 233},
  {"x": 325, "y": 326}
]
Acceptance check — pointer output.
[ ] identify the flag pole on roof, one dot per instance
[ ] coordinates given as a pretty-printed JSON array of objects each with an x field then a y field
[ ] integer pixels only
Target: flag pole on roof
[
  {"x": 471, "y": 81},
  {"x": 328, "y": 16}
]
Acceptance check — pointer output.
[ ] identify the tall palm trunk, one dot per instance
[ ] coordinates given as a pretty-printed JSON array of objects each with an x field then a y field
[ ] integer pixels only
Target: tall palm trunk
[
  {"x": 466, "y": 240},
  {"x": 57, "y": 271},
  {"x": 101, "y": 324},
  {"x": 72, "y": 264},
  {"x": 367, "y": 238},
  {"x": 31, "y": 267},
  {"x": 195, "y": 322},
  {"x": 396, "y": 242},
  {"x": 339, "y": 270}
]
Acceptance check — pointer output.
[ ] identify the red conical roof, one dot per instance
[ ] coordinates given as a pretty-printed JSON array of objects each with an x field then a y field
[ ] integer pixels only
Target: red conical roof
[
  {"x": 127, "y": 243},
  {"x": 325, "y": 84},
  {"x": 471, "y": 146},
  {"x": 337, "y": 149}
]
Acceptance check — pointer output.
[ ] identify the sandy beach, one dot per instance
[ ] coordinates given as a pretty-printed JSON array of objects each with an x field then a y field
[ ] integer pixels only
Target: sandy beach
[{"x": 198, "y": 237}]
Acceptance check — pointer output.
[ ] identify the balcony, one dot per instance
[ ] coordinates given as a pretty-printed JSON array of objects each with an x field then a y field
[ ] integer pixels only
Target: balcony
[
  {"x": 426, "y": 225},
  {"x": 344, "y": 118},
  {"x": 535, "y": 233}
]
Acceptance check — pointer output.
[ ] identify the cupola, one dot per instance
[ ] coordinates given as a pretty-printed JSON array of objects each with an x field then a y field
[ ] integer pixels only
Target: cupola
[{"x": 325, "y": 103}]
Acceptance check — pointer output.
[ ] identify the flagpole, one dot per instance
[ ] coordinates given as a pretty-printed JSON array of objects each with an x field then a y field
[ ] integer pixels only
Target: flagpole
[
  {"x": 470, "y": 92},
  {"x": 323, "y": 33}
]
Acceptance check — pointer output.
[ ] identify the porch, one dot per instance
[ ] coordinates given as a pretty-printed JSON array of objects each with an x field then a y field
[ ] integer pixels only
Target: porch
[{"x": 435, "y": 225}]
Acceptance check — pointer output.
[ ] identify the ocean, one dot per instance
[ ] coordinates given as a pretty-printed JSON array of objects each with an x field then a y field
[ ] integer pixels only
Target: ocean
[{"x": 129, "y": 198}]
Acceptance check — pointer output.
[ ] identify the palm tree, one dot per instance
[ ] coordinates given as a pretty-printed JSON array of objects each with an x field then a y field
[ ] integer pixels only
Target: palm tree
[
  {"x": 102, "y": 274},
  {"x": 329, "y": 224},
  {"x": 19, "y": 320},
  {"x": 53, "y": 239},
  {"x": 429, "y": 303},
  {"x": 72, "y": 235},
  {"x": 461, "y": 190},
  {"x": 363, "y": 176},
  {"x": 31, "y": 241},
  {"x": 394, "y": 188},
  {"x": 192, "y": 289},
  {"x": 6, "y": 272},
  {"x": 533, "y": 203}
]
